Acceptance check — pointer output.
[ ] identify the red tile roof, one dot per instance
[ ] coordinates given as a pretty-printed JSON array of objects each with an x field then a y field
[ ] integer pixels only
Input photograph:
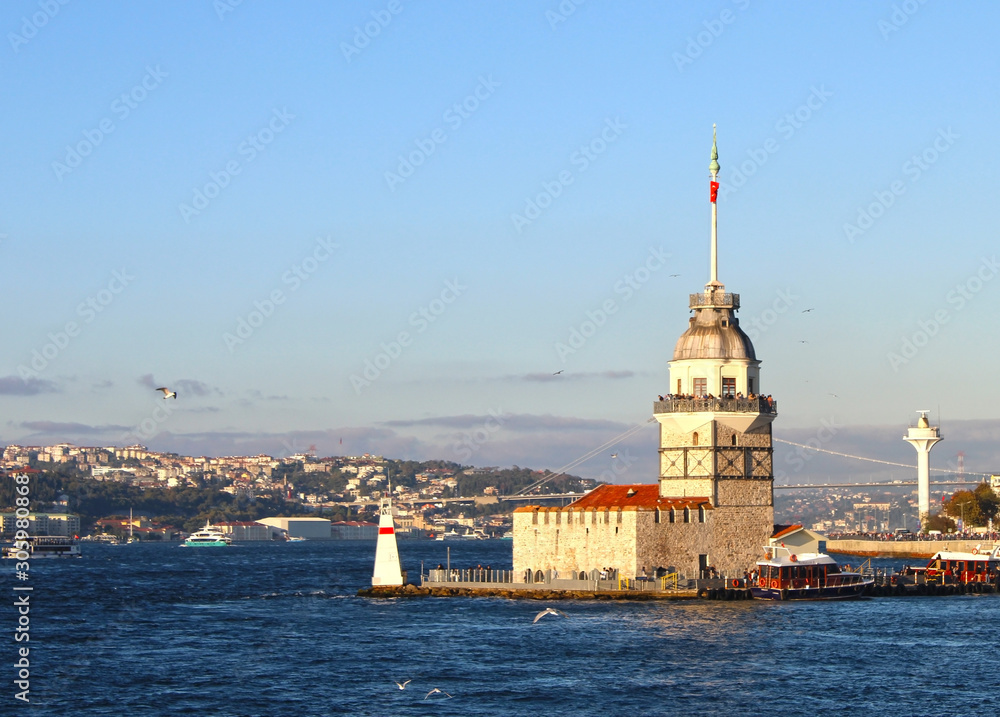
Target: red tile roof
[
  {"x": 782, "y": 530},
  {"x": 643, "y": 495}
]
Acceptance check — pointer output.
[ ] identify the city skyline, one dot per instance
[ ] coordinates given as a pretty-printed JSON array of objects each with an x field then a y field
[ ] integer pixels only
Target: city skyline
[{"x": 470, "y": 233}]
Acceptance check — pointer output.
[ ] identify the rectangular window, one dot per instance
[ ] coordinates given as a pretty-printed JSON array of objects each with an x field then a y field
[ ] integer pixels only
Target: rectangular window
[
  {"x": 749, "y": 385},
  {"x": 700, "y": 386},
  {"x": 729, "y": 388},
  {"x": 673, "y": 516},
  {"x": 679, "y": 387},
  {"x": 701, "y": 514}
]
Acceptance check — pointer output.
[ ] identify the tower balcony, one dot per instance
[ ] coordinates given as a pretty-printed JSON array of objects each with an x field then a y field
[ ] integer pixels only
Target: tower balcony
[
  {"x": 714, "y": 300},
  {"x": 716, "y": 405}
]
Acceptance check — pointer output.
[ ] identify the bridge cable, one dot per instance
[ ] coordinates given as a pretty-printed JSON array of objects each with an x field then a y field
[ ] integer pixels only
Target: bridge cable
[
  {"x": 585, "y": 457},
  {"x": 874, "y": 460}
]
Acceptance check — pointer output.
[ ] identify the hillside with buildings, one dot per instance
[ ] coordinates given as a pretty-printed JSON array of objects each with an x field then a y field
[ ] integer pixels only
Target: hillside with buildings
[{"x": 79, "y": 489}]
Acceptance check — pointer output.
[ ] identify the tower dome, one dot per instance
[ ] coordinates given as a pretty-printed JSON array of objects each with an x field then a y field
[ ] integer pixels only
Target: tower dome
[{"x": 714, "y": 331}]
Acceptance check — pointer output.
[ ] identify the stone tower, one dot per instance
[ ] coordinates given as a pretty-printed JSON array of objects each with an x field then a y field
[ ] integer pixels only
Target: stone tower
[{"x": 715, "y": 426}]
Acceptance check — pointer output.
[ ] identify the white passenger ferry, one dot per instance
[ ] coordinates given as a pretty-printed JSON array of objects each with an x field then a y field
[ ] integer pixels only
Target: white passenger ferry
[{"x": 43, "y": 546}]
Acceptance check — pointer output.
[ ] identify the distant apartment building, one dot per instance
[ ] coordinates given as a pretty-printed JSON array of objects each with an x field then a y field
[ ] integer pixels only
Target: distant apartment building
[{"x": 65, "y": 524}]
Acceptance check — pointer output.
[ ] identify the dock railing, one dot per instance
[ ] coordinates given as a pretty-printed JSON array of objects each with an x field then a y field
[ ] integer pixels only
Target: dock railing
[{"x": 554, "y": 580}]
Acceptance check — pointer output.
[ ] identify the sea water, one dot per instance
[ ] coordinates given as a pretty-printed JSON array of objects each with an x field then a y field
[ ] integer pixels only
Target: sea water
[{"x": 276, "y": 629}]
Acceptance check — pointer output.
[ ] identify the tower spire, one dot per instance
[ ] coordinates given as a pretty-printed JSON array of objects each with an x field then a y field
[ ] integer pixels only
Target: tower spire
[{"x": 713, "y": 169}]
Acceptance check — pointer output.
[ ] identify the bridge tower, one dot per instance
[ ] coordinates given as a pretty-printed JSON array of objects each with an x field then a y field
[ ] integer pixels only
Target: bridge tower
[{"x": 923, "y": 436}]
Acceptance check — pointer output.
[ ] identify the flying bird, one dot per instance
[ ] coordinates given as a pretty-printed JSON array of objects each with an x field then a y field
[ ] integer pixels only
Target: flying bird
[
  {"x": 614, "y": 455},
  {"x": 558, "y": 372},
  {"x": 438, "y": 691},
  {"x": 803, "y": 342},
  {"x": 402, "y": 685},
  {"x": 548, "y": 611},
  {"x": 673, "y": 275},
  {"x": 167, "y": 393},
  {"x": 835, "y": 395},
  {"x": 806, "y": 311}
]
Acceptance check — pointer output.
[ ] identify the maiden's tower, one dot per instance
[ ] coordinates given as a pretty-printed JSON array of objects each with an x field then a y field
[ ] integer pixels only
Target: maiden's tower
[{"x": 713, "y": 504}]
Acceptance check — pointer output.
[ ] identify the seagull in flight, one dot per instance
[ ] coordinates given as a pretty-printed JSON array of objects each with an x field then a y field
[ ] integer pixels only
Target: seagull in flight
[
  {"x": 614, "y": 455},
  {"x": 558, "y": 372},
  {"x": 835, "y": 395},
  {"x": 806, "y": 311},
  {"x": 402, "y": 685},
  {"x": 438, "y": 691},
  {"x": 673, "y": 275},
  {"x": 803, "y": 342},
  {"x": 548, "y": 611},
  {"x": 167, "y": 393}
]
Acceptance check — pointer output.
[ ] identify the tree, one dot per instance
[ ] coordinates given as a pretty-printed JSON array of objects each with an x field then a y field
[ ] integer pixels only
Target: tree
[
  {"x": 975, "y": 507},
  {"x": 940, "y": 522}
]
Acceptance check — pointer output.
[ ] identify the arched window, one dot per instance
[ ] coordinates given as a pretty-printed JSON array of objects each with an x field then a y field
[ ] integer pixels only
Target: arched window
[
  {"x": 694, "y": 438},
  {"x": 734, "y": 439}
]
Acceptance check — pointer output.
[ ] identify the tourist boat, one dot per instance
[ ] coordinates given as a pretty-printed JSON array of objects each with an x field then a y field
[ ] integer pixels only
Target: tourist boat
[
  {"x": 106, "y": 538},
  {"x": 295, "y": 539},
  {"x": 786, "y": 575},
  {"x": 951, "y": 567},
  {"x": 43, "y": 546},
  {"x": 453, "y": 535},
  {"x": 207, "y": 537}
]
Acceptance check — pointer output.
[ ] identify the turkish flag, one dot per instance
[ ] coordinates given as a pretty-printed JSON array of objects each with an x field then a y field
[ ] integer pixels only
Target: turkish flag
[{"x": 715, "y": 190}]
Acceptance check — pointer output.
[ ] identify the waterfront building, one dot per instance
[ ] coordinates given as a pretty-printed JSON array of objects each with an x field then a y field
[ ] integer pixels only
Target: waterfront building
[
  {"x": 243, "y": 530},
  {"x": 712, "y": 510},
  {"x": 64, "y": 524},
  {"x": 311, "y": 528}
]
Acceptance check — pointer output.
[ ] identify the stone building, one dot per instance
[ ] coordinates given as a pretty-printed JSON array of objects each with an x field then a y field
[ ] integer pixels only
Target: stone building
[{"x": 713, "y": 506}]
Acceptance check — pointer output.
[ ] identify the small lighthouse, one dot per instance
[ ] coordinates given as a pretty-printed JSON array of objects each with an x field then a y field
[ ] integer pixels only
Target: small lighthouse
[
  {"x": 388, "y": 570},
  {"x": 923, "y": 436}
]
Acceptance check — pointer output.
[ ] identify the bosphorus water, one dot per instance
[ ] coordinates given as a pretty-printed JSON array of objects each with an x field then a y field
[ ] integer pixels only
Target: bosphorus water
[{"x": 276, "y": 629}]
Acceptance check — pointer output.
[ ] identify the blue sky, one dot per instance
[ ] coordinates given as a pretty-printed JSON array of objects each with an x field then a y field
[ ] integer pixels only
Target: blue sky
[{"x": 259, "y": 198}]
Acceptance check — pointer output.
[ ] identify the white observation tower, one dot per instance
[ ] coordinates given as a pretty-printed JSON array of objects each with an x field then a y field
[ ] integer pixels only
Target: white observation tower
[{"x": 923, "y": 436}]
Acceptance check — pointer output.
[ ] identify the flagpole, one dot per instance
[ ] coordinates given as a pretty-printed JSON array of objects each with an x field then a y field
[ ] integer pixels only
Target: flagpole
[{"x": 713, "y": 169}]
